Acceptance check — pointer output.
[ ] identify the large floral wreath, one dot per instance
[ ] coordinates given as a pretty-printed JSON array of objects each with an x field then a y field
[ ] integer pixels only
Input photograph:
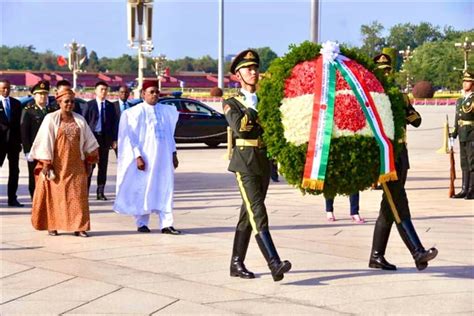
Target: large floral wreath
[{"x": 354, "y": 158}]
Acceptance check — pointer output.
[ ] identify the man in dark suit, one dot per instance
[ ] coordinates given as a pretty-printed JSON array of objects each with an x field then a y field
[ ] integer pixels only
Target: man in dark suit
[
  {"x": 121, "y": 104},
  {"x": 10, "y": 138},
  {"x": 31, "y": 119},
  {"x": 102, "y": 119},
  {"x": 251, "y": 166}
]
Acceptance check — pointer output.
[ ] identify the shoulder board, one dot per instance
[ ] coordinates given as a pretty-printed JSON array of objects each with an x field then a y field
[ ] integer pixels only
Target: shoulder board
[
  {"x": 30, "y": 106},
  {"x": 232, "y": 97}
]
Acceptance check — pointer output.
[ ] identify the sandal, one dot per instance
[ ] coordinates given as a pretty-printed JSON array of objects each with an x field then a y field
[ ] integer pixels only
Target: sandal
[{"x": 81, "y": 234}]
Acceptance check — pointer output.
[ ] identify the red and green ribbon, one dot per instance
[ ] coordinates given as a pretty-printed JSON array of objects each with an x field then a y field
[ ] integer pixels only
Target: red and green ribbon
[
  {"x": 322, "y": 122},
  {"x": 321, "y": 126}
]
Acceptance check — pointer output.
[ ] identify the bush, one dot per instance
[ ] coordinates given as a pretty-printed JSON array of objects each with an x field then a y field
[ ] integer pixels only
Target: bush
[
  {"x": 423, "y": 90},
  {"x": 216, "y": 92}
]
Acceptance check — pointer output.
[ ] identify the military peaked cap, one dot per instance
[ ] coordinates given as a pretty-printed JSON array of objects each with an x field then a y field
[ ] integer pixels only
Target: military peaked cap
[
  {"x": 41, "y": 86},
  {"x": 245, "y": 58},
  {"x": 383, "y": 61},
  {"x": 468, "y": 76}
]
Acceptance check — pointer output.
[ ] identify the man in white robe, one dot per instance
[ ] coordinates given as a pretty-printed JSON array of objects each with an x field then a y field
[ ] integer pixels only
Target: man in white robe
[{"x": 146, "y": 161}]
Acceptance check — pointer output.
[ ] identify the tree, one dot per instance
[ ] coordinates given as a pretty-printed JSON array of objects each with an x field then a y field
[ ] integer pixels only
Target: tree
[
  {"x": 206, "y": 64},
  {"x": 93, "y": 62},
  {"x": 407, "y": 34},
  {"x": 82, "y": 54},
  {"x": 267, "y": 55},
  {"x": 372, "y": 39}
]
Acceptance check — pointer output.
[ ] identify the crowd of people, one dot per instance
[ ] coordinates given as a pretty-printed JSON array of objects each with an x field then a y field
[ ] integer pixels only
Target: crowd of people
[{"x": 56, "y": 136}]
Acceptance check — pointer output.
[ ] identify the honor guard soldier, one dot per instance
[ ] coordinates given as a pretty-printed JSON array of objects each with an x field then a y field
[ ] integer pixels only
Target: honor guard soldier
[
  {"x": 464, "y": 128},
  {"x": 394, "y": 205},
  {"x": 31, "y": 119},
  {"x": 251, "y": 166}
]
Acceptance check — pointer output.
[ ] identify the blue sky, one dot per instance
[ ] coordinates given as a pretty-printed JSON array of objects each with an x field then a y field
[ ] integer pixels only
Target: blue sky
[{"x": 189, "y": 28}]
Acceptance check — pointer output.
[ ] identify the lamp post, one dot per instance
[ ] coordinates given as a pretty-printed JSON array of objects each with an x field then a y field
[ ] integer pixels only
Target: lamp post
[
  {"x": 314, "y": 25},
  {"x": 140, "y": 18},
  {"x": 73, "y": 60},
  {"x": 466, "y": 46},
  {"x": 407, "y": 54},
  {"x": 160, "y": 61}
]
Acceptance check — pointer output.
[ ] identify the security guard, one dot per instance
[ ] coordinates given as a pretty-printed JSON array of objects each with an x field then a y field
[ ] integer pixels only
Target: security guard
[
  {"x": 464, "y": 127},
  {"x": 251, "y": 166},
  {"x": 31, "y": 119},
  {"x": 394, "y": 206}
]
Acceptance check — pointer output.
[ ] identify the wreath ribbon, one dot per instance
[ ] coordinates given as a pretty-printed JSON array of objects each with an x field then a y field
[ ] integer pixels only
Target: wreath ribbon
[{"x": 323, "y": 117}]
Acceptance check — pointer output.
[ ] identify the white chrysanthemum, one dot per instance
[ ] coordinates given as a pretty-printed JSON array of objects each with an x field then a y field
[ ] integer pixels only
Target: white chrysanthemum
[{"x": 297, "y": 114}]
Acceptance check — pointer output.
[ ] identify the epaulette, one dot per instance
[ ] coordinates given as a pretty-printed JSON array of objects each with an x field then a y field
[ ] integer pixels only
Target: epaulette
[
  {"x": 232, "y": 96},
  {"x": 29, "y": 106}
]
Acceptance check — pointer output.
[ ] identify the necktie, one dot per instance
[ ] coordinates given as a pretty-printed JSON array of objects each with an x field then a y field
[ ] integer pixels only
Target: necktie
[
  {"x": 6, "y": 105},
  {"x": 102, "y": 115}
]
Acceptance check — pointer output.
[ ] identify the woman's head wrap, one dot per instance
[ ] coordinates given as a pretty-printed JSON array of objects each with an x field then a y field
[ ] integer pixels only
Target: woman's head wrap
[{"x": 66, "y": 92}]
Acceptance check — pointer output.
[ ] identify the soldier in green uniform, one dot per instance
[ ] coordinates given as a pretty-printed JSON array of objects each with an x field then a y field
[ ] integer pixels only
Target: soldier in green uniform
[
  {"x": 251, "y": 166},
  {"x": 394, "y": 206},
  {"x": 464, "y": 127},
  {"x": 31, "y": 119}
]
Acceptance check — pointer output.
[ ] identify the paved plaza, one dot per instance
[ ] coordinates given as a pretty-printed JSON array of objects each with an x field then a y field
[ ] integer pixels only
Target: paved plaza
[{"x": 119, "y": 271}]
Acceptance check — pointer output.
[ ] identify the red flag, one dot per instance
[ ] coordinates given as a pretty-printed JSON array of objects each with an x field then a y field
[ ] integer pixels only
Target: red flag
[
  {"x": 61, "y": 61},
  {"x": 167, "y": 71}
]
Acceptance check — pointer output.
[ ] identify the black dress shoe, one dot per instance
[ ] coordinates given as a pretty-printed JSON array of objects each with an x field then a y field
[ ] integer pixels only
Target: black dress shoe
[
  {"x": 143, "y": 229},
  {"x": 170, "y": 230},
  {"x": 101, "y": 197},
  {"x": 15, "y": 204},
  {"x": 81, "y": 234},
  {"x": 53, "y": 232},
  {"x": 378, "y": 262}
]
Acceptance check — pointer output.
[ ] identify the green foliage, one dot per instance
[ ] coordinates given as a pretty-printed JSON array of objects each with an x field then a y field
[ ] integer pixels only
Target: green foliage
[
  {"x": 267, "y": 55},
  {"x": 407, "y": 34},
  {"x": 353, "y": 161},
  {"x": 372, "y": 39}
]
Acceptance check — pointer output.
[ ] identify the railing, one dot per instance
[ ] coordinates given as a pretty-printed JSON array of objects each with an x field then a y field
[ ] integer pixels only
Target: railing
[{"x": 434, "y": 101}]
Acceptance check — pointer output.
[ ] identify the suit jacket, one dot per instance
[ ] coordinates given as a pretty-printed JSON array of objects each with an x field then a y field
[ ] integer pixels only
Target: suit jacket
[
  {"x": 91, "y": 113},
  {"x": 244, "y": 124},
  {"x": 31, "y": 119},
  {"x": 10, "y": 134},
  {"x": 117, "y": 108},
  {"x": 464, "y": 112}
]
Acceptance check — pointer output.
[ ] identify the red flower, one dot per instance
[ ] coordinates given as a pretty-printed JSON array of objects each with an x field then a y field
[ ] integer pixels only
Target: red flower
[
  {"x": 302, "y": 79},
  {"x": 348, "y": 114}
]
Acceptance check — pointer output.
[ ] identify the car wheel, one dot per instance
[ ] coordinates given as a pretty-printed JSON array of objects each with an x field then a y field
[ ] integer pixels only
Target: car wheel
[{"x": 212, "y": 144}]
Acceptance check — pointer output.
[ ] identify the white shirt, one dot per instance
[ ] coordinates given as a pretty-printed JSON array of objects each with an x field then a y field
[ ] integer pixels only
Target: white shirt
[
  {"x": 6, "y": 105},
  {"x": 250, "y": 98}
]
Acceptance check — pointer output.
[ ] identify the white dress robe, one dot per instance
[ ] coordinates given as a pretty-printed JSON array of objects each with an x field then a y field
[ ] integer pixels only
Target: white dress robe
[{"x": 146, "y": 131}]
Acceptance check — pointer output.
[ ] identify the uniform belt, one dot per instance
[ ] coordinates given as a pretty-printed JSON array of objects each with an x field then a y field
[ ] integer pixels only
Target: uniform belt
[
  {"x": 465, "y": 123},
  {"x": 241, "y": 142}
]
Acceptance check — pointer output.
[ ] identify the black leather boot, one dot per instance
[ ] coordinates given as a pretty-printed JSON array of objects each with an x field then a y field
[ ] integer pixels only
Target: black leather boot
[
  {"x": 379, "y": 244},
  {"x": 100, "y": 193},
  {"x": 470, "y": 190},
  {"x": 413, "y": 243},
  {"x": 277, "y": 267},
  {"x": 239, "y": 251},
  {"x": 465, "y": 186}
]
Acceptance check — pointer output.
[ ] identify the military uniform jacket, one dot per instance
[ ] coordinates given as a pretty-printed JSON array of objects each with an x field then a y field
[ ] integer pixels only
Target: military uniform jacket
[
  {"x": 31, "y": 119},
  {"x": 464, "y": 119},
  {"x": 245, "y": 126},
  {"x": 413, "y": 118}
]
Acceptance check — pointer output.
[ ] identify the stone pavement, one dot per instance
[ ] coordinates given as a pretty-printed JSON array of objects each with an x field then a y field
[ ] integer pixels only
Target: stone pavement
[{"x": 119, "y": 271}]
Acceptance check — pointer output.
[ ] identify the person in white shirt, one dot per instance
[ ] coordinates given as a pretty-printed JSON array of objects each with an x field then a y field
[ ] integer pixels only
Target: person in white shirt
[{"x": 146, "y": 161}]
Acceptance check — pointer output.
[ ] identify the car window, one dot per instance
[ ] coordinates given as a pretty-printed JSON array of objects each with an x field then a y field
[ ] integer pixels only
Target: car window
[
  {"x": 171, "y": 102},
  {"x": 195, "y": 107}
]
